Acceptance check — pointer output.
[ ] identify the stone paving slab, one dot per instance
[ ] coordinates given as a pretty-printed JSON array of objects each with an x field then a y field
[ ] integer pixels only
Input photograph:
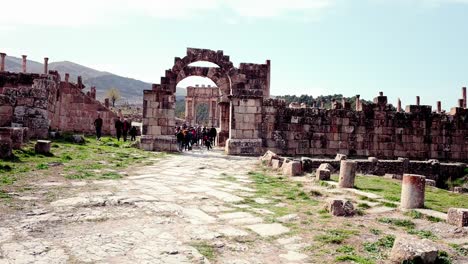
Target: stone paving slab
[{"x": 266, "y": 230}]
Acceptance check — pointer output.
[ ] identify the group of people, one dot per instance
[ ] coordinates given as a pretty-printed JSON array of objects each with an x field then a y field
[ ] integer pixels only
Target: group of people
[
  {"x": 124, "y": 128},
  {"x": 187, "y": 137}
]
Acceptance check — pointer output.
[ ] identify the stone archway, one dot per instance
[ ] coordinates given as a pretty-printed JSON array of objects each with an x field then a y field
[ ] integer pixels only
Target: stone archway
[{"x": 241, "y": 94}]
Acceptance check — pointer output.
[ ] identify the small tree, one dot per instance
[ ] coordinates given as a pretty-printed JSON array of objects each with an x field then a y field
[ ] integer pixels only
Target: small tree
[{"x": 113, "y": 94}]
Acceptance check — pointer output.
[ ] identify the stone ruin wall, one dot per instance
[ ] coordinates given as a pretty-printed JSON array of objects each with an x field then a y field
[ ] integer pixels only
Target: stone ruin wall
[
  {"x": 76, "y": 111},
  {"x": 43, "y": 101},
  {"x": 373, "y": 130},
  {"x": 28, "y": 100}
]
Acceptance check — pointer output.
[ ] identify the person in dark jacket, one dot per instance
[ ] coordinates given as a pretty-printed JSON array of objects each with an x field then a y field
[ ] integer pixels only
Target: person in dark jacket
[
  {"x": 213, "y": 133},
  {"x": 98, "y": 126},
  {"x": 133, "y": 133},
  {"x": 118, "y": 128},
  {"x": 125, "y": 128}
]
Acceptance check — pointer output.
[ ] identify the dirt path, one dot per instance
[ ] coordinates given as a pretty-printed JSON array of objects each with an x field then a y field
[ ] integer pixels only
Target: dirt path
[{"x": 171, "y": 212}]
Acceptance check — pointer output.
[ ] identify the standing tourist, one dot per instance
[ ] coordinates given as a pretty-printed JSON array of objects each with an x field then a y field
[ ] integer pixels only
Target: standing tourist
[
  {"x": 118, "y": 128},
  {"x": 98, "y": 125},
  {"x": 133, "y": 133},
  {"x": 125, "y": 129},
  {"x": 213, "y": 133}
]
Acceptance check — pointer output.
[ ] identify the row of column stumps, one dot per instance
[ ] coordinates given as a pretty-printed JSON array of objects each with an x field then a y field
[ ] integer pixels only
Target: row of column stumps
[
  {"x": 462, "y": 102},
  {"x": 24, "y": 63},
  {"x": 412, "y": 188}
]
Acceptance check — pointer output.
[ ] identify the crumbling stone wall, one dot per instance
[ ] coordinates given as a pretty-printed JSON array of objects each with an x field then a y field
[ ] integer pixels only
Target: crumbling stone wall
[
  {"x": 42, "y": 101},
  {"x": 28, "y": 100},
  {"x": 76, "y": 111},
  {"x": 374, "y": 130},
  {"x": 241, "y": 87}
]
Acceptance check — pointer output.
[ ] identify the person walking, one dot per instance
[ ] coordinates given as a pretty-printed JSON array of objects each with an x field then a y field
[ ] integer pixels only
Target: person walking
[
  {"x": 213, "y": 134},
  {"x": 118, "y": 128},
  {"x": 125, "y": 129},
  {"x": 98, "y": 126},
  {"x": 133, "y": 133}
]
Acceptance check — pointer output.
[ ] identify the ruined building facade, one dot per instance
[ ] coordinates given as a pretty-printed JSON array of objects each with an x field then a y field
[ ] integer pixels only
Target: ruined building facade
[
  {"x": 43, "y": 102},
  {"x": 251, "y": 122},
  {"x": 202, "y": 95}
]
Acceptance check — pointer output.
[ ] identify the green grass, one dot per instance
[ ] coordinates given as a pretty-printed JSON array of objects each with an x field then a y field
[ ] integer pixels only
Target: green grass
[
  {"x": 436, "y": 199},
  {"x": 345, "y": 249},
  {"x": 460, "y": 249},
  {"x": 385, "y": 242},
  {"x": 422, "y": 234},
  {"x": 398, "y": 222},
  {"x": 335, "y": 236},
  {"x": 354, "y": 258},
  {"x": 76, "y": 161},
  {"x": 205, "y": 249}
]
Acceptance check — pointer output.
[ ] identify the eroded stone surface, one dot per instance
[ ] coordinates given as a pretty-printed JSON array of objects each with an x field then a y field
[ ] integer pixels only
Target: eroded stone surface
[{"x": 154, "y": 215}]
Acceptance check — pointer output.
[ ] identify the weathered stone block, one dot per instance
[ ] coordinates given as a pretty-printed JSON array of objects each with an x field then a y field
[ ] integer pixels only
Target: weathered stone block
[
  {"x": 291, "y": 168},
  {"x": 5, "y": 148},
  {"x": 338, "y": 207},
  {"x": 268, "y": 157},
  {"x": 42, "y": 147},
  {"x": 412, "y": 191},
  {"x": 78, "y": 139},
  {"x": 276, "y": 164},
  {"x": 458, "y": 217},
  {"x": 340, "y": 156},
  {"x": 322, "y": 174},
  {"x": 408, "y": 249},
  {"x": 430, "y": 183}
]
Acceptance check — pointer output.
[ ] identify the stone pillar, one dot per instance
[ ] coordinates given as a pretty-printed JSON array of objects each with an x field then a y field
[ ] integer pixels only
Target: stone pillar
[
  {"x": 439, "y": 107},
  {"x": 358, "y": 102},
  {"x": 322, "y": 104},
  {"x": 347, "y": 174},
  {"x": 2, "y": 62},
  {"x": 80, "y": 83},
  {"x": 418, "y": 100},
  {"x": 67, "y": 77},
  {"x": 380, "y": 93},
  {"x": 399, "y": 105},
  {"x": 460, "y": 103},
  {"x": 24, "y": 63},
  {"x": 46, "y": 65},
  {"x": 412, "y": 191},
  {"x": 224, "y": 124},
  {"x": 464, "y": 96},
  {"x": 194, "y": 112},
  {"x": 106, "y": 102}
]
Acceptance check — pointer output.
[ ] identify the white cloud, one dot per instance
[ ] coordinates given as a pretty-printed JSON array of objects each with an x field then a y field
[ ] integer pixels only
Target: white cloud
[{"x": 92, "y": 12}]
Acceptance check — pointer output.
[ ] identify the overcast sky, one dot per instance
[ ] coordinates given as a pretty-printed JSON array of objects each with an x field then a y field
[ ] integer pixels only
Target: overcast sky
[{"x": 401, "y": 47}]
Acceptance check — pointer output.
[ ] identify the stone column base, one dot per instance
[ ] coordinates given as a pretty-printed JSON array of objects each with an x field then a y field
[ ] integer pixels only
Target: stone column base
[
  {"x": 159, "y": 143},
  {"x": 244, "y": 147}
]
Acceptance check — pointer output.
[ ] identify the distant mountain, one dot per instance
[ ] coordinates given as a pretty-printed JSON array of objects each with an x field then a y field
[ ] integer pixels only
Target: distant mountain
[{"x": 130, "y": 89}]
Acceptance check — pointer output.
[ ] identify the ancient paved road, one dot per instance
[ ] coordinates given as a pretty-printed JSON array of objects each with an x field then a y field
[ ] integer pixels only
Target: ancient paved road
[{"x": 159, "y": 214}]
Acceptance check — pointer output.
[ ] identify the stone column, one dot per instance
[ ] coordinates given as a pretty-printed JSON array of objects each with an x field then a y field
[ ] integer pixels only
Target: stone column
[
  {"x": 464, "y": 96},
  {"x": 46, "y": 65},
  {"x": 418, "y": 100},
  {"x": 358, "y": 102},
  {"x": 224, "y": 124},
  {"x": 194, "y": 112},
  {"x": 210, "y": 114},
  {"x": 2, "y": 62},
  {"x": 106, "y": 102},
  {"x": 24, "y": 63},
  {"x": 460, "y": 103},
  {"x": 399, "y": 105},
  {"x": 347, "y": 174},
  {"x": 67, "y": 77},
  {"x": 412, "y": 191},
  {"x": 439, "y": 107}
]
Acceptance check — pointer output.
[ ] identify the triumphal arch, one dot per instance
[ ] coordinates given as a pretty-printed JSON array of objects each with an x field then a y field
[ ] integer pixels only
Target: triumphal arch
[{"x": 241, "y": 93}]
